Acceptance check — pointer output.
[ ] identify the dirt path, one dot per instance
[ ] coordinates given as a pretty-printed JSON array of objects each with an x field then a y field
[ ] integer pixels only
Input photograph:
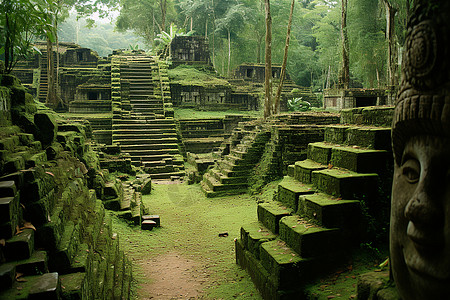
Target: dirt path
[
  {"x": 185, "y": 258},
  {"x": 173, "y": 277}
]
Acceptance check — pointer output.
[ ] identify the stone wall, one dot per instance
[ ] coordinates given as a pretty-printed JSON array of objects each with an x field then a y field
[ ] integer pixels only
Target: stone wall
[
  {"x": 351, "y": 98},
  {"x": 256, "y": 72},
  {"x": 190, "y": 50}
]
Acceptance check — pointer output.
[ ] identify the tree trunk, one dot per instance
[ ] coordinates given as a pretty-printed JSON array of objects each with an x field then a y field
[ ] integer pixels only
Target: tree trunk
[
  {"x": 276, "y": 105},
  {"x": 51, "y": 96},
  {"x": 229, "y": 52},
  {"x": 327, "y": 86},
  {"x": 163, "y": 6},
  {"x": 8, "y": 47},
  {"x": 214, "y": 34},
  {"x": 268, "y": 70},
  {"x": 392, "y": 55},
  {"x": 344, "y": 80}
]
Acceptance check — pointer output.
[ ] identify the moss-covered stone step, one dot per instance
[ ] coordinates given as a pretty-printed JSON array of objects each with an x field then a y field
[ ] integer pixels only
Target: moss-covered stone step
[
  {"x": 225, "y": 164},
  {"x": 253, "y": 235},
  {"x": 35, "y": 265},
  {"x": 9, "y": 207},
  {"x": 227, "y": 192},
  {"x": 336, "y": 134},
  {"x": 73, "y": 285},
  {"x": 151, "y": 138},
  {"x": 264, "y": 282},
  {"x": 370, "y": 137},
  {"x": 270, "y": 214},
  {"x": 332, "y": 212},
  {"x": 309, "y": 239},
  {"x": 62, "y": 258},
  {"x": 359, "y": 160},
  {"x": 168, "y": 175},
  {"x": 346, "y": 184},
  {"x": 320, "y": 152},
  {"x": 216, "y": 186},
  {"x": 143, "y": 126},
  {"x": 148, "y": 146},
  {"x": 224, "y": 179},
  {"x": 287, "y": 269},
  {"x": 151, "y": 155},
  {"x": 20, "y": 246},
  {"x": 303, "y": 170},
  {"x": 289, "y": 191},
  {"x": 45, "y": 286}
]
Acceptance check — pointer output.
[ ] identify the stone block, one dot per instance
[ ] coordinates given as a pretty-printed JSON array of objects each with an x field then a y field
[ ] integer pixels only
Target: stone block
[
  {"x": 16, "y": 177},
  {"x": 73, "y": 284},
  {"x": 320, "y": 152},
  {"x": 20, "y": 246},
  {"x": 47, "y": 128},
  {"x": 8, "y": 208},
  {"x": 372, "y": 138},
  {"x": 46, "y": 287},
  {"x": 62, "y": 258},
  {"x": 36, "y": 160},
  {"x": 35, "y": 265},
  {"x": 8, "y": 188},
  {"x": 7, "y": 276},
  {"x": 253, "y": 235},
  {"x": 289, "y": 191},
  {"x": 303, "y": 170},
  {"x": 342, "y": 183},
  {"x": 308, "y": 239},
  {"x": 359, "y": 160},
  {"x": 336, "y": 134},
  {"x": 270, "y": 214},
  {"x": 370, "y": 283},
  {"x": 286, "y": 267},
  {"x": 154, "y": 218},
  {"x": 330, "y": 212},
  {"x": 148, "y": 225}
]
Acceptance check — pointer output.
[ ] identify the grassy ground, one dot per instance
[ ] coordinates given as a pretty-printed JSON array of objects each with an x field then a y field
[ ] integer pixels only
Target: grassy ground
[
  {"x": 186, "y": 113},
  {"x": 190, "y": 225}
]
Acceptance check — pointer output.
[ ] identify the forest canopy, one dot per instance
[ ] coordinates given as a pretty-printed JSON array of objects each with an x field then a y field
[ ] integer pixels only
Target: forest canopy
[{"x": 235, "y": 30}]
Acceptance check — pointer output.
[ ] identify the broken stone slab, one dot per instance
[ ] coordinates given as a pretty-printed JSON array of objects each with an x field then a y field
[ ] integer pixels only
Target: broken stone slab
[
  {"x": 154, "y": 218},
  {"x": 148, "y": 225},
  {"x": 46, "y": 287}
]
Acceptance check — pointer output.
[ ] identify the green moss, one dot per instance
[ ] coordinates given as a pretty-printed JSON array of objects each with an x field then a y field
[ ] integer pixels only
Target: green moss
[
  {"x": 188, "y": 75},
  {"x": 194, "y": 236}
]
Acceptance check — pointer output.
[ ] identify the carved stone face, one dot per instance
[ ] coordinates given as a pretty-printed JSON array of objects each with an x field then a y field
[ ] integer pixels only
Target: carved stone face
[{"x": 420, "y": 219}]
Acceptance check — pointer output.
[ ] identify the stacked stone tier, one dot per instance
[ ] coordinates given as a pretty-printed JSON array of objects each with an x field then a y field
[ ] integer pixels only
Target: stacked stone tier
[{"x": 315, "y": 218}]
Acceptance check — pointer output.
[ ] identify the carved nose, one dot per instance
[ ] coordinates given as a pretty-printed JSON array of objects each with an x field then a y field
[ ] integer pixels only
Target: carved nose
[{"x": 424, "y": 212}]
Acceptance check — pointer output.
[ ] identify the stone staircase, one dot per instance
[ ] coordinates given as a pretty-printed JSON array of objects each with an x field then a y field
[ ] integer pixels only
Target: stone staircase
[
  {"x": 230, "y": 174},
  {"x": 144, "y": 126},
  {"x": 320, "y": 212},
  {"x": 56, "y": 236}
]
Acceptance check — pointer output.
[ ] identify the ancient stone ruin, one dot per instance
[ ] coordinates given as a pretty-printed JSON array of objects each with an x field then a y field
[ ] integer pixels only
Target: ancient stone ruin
[{"x": 116, "y": 133}]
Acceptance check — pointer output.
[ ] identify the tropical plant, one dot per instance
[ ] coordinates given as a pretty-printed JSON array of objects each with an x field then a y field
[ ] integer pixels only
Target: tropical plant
[
  {"x": 21, "y": 22},
  {"x": 164, "y": 39}
]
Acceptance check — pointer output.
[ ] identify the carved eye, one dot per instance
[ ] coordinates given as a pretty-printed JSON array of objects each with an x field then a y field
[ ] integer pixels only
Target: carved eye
[{"x": 411, "y": 170}]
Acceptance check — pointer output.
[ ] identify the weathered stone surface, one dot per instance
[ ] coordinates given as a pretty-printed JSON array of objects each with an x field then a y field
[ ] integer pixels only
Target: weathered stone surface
[
  {"x": 20, "y": 246},
  {"x": 47, "y": 128},
  {"x": 289, "y": 191},
  {"x": 46, "y": 287},
  {"x": 270, "y": 214}
]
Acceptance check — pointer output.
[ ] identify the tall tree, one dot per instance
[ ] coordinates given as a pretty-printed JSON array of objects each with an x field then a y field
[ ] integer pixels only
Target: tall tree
[
  {"x": 276, "y": 106},
  {"x": 344, "y": 79},
  {"x": 268, "y": 69}
]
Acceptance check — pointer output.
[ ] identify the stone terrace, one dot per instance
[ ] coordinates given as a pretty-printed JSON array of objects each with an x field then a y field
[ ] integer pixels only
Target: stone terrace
[{"x": 315, "y": 219}]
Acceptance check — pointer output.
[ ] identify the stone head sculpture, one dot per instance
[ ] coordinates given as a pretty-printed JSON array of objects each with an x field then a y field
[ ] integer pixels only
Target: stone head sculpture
[{"x": 420, "y": 212}]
